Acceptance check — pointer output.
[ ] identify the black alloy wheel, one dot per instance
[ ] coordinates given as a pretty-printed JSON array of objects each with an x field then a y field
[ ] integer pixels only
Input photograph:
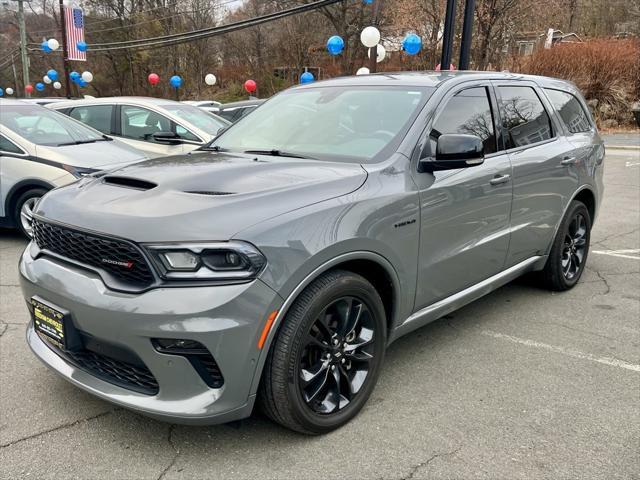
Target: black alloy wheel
[
  {"x": 336, "y": 356},
  {"x": 575, "y": 245}
]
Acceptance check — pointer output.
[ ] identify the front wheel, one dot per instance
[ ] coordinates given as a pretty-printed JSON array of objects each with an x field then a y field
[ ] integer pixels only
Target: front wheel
[
  {"x": 326, "y": 357},
  {"x": 569, "y": 251},
  {"x": 24, "y": 208}
]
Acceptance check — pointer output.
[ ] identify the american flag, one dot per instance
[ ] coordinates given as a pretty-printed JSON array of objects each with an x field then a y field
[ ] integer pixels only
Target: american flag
[{"x": 74, "y": 23}]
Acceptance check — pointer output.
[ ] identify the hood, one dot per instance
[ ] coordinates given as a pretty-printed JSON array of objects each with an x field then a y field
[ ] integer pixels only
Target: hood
[
  {"x": 98, "y": 155},
  {"x": 197, "y": 197}
]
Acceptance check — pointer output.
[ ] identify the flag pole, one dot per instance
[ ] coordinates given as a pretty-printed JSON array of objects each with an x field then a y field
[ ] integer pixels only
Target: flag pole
[{"x": 65, "y": 58}]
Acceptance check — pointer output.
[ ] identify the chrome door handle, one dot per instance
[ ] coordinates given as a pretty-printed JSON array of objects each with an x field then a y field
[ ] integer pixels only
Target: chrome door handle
[
  {"x": 568, "y": 161},
  {"x": 498, "y": 179}
]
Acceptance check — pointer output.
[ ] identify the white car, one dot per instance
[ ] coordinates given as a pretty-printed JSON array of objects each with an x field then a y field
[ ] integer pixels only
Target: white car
[
  {"x": 41, "y": 149},
  {"x": 156, "y": 126}
]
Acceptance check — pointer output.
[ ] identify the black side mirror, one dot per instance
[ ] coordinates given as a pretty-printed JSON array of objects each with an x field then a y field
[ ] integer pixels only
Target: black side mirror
[
  {"x": 170, "y": 138},
  {"x": 455, "y": 151}
]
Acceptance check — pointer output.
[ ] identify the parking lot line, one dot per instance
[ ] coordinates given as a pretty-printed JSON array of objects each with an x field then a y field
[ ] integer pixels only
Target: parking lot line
[
  {"x": 620, "y": 253},
  {"x": 569, "y": 352}
]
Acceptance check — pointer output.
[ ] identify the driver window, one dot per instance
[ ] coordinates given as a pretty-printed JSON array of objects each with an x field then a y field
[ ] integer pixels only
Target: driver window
[
  {"x": 468, "y": 112},
  {"x": 140, "y": 124}
]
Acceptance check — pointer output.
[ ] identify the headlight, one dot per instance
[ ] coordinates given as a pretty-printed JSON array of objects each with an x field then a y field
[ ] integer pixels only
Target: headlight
[{"x": 211, "y": 261}]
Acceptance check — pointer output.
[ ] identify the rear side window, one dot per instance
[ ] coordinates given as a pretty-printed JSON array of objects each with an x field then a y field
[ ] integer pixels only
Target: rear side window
[
  {"x": 469, "y": 112},
  {"x": 8, "y": 146},
  {"x": 570, "y": 110},
  {"x": 524, "y": 118},
  {"x": 96, "y": 116}
]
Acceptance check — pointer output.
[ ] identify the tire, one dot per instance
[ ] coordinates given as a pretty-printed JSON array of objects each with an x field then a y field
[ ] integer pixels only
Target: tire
[
  {"x": 26, "y": 200},
  {"x": 284, "y": 396},
  {"x": 568, "y": 243}
]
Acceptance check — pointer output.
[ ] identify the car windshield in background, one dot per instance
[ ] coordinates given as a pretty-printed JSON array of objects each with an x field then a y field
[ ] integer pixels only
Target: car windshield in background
[
  {"x": 329, "y": 123},
  {"x": 197, "y": 117},
  {"x": 46, "y": 127}
]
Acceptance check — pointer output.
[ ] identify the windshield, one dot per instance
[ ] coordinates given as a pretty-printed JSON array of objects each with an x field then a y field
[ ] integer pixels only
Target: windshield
[
  {"x": 46, "y": 127},
  {"x": 353, "y": 124},
  {"x": 197, "y": 117}
]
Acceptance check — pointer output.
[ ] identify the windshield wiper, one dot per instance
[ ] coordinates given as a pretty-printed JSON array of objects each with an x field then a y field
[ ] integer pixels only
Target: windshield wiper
[
  {"x": 82, "y": 142},
  {"x": 277, "y": 153},
  {"x": 213, "y": 148}
]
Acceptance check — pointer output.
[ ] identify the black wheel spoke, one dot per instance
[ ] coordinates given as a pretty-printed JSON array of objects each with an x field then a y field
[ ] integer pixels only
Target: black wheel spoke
[{"x": 316, "y": 384}]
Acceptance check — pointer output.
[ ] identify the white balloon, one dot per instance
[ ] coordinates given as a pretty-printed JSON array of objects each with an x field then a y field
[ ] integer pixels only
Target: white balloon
[
  {"x": 381, "y": 52},
  {"x": 210, "y": 79},
  {"x": 363, "y": 71},
  {"x": 46, "y": 79},
  {"x": 9, "y": 91},
  {"x": 370, "y": 37},
  {"x": 53, "y": 44},
  {"x": 87, "y": 76},
  {"x": 57, "y": 85}
]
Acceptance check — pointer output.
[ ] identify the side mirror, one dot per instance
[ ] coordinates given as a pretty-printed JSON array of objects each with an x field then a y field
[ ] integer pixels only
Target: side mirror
[
  {"x": 455, "y": 151},
  {"x": 170, "y": 138}
]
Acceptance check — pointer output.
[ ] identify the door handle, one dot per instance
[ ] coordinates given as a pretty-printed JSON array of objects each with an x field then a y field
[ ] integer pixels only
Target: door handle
[
  {"x": 568, "y": 161},
  {"x": 498, "y": 179}
]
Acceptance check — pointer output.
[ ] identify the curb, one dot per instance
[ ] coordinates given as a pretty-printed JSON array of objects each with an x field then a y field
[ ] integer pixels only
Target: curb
[{"x": 621, "y": 147}]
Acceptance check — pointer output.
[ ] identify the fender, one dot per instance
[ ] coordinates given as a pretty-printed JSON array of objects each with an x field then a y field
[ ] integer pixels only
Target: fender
[
  {"x": 27, "y": 182},
  {"x": 282, "y": 312}
]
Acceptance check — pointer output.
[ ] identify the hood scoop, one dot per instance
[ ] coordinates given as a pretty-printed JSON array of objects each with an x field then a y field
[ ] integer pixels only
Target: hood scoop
[
  {"x": 129, "y": 182},
  {"x": 211, "y": 193}
]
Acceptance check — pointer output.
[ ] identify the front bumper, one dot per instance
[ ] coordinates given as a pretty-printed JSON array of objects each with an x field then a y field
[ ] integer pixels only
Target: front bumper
[{"x": 227, "y": 320}]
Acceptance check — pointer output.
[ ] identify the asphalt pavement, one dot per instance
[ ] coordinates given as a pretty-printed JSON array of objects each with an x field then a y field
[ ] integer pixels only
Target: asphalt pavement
[{"x": 523, "y": 383}]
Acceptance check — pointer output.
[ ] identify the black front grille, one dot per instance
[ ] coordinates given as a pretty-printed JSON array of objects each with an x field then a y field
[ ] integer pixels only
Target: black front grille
[
  {"x": 124, "y": 374},
  {"x": 120, "y": 260}
]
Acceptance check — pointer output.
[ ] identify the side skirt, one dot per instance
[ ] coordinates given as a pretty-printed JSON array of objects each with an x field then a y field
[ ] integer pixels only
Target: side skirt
[{"x": 464, "y": 297}]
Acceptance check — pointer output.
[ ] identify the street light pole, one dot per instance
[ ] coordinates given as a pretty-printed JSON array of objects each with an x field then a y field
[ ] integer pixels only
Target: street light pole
[
  {"x": 447, "y": 36},
  {"x": 23, "y": 47},
  {"x": 467, "y": 33}
]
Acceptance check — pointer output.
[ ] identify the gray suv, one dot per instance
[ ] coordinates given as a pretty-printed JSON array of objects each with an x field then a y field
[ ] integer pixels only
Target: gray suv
[{"x": 276, "y": 264}]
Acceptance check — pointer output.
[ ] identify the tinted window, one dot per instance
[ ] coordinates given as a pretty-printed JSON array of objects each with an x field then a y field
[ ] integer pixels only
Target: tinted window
[
  {"x": 7, "y": 146},
  {"x": 96, "y": 116},
  {"x": 352, "y": 124},
  {"x": 523, "y": 116},
  {"x": 468, "y": 112},
  {"x": 140, "y": 124},
  {"x": 197, "y": 117},
  {"x": 570, "y": 110}
]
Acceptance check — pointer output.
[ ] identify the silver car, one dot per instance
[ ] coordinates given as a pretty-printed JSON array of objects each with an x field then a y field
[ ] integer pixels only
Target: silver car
[
  {"x": 299, "y": 244},
  {"x": 154, "y": 125},
  {"x": 41, "y": 149}
]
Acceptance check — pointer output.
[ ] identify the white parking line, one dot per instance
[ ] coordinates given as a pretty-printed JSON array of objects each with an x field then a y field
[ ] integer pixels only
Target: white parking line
[
  {"x": 620, "y": 253},
  {"x": 612, "y": 362},
  {"x": 632, "y": 164}
]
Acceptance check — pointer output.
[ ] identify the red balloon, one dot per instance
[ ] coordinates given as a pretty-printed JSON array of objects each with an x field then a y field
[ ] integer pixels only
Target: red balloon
[
  {"x": 250, "y": 86},
  {"x": 153, "y": 78},
  {"x": 28, "y": 88}
]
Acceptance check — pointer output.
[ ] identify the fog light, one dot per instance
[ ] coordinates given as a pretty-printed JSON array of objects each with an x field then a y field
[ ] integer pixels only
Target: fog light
[{"x": 178, "y": 346}]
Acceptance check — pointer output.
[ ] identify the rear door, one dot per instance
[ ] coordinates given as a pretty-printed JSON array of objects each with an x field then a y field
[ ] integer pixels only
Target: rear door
[
  {"x": 544, "y": 174},
  {"x": 464, "y": 213}
]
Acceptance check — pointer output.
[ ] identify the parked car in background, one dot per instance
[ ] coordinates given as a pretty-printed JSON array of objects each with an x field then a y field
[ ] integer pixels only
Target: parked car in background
[
  {"x": 277, "y": 264},
  {"x": 154, "y": 125},
  {"x": 234, "y": 111},
  {"x": 203, "y": 103},
  {"x": 41, "y": 149},
  {"x": 44, "y": 100}
]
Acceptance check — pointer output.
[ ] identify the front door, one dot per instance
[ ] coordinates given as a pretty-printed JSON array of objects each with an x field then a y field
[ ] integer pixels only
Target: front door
[
  {"x": 464, "y": 213},
  {"x": 137, "y": 125}
]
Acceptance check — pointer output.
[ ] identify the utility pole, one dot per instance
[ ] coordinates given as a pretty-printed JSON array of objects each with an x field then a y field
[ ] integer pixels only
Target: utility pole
[
  {"x": 447, "y": 36},
  {"x": 13, "y": 67},
  {"x": 467, "y": 34},
  {"x": 65, "y": 59},
  {"x": 23, "y": 48}
]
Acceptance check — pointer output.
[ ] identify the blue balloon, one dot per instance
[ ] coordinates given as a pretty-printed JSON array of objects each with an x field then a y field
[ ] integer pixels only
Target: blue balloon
[
  {"x": 82, "y": 46},
  {"x": 82, "y": 83},
  {"x": 40, "y": 86},
  {"x": 1, "y": 92},
  {"x": 175, "y": 81},
  {"x": 45, "y": 47},
  {"x": 52, "y": 74},
  {"x": 74, "y": 76},
  {"x": 307, "y": 77},
  {"x": 412, "y": 44},
  {"x": 335, "y": 45},
  {"x": 367, "y": 2}
]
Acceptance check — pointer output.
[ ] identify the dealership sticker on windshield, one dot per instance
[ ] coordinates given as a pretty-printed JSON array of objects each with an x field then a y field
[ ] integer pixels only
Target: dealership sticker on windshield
[{"x": 49, "y": 321}]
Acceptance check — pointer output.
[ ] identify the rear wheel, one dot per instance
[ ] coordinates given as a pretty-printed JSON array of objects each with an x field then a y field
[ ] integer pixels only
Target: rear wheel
[
  {"x": 326, "y": 357},
  {"x": 24, "y": 208},
  {"x": 570, "y": 249}
]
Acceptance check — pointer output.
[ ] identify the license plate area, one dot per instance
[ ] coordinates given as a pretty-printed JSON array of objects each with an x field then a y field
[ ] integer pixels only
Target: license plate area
[{"x": 50, "y": 321}]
